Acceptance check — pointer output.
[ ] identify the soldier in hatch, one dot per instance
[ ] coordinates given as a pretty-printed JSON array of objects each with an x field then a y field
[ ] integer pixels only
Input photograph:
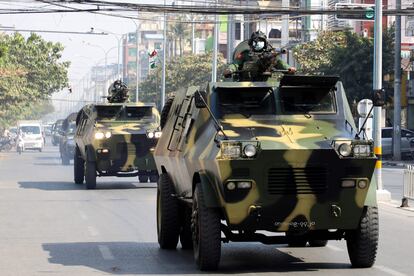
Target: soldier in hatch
[{"x": 255, "y": 60}]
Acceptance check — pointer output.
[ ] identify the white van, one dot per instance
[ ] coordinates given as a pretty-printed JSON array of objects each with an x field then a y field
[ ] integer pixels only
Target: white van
[{"x": 31, "y": 134}]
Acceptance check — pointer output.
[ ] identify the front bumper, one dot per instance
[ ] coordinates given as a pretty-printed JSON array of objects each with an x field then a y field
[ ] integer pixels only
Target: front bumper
[
  {"x": 294, "y": 190},
  {"x": 33, "y": 145}
]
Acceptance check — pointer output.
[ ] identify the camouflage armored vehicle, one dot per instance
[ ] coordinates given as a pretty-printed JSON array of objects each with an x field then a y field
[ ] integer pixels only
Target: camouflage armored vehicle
[
  {"x": 67, "y": 142},
  {"x": 242, "y": 157},
  {"x": 116, "y": 139}
]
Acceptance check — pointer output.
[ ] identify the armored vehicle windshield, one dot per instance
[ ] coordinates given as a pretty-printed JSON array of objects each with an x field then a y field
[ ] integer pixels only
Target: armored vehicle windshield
[
  {"x": 123, "y": 113},
  {"x": 246, "y": 101}
]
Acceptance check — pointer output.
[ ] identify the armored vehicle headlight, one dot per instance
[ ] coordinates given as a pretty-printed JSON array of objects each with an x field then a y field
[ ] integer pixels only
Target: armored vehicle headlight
[
  {"x": 250, "y": 150},
  {"x": 362, "y": 150},
  {"x": 157, "y": 134},
  {"x": 345, "y": 150},
  {"x": 99, "y": 135},
  {"x": 150, "y": 134},
  {"x": 108, "y": 134},
  {"x": 231, "y": 186},
  {"x": 229, "y": 150},
  {"x": 244, "y": 185},
  {"x": 348, "y": 183}
]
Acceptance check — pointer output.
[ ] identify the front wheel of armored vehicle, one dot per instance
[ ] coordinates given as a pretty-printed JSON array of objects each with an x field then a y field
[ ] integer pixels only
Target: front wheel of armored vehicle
[
  {"x": 318, "y": 243},
  {"x": 90, "y": 174},
  {"x": 205, "y": 227},
  {"x": 362, "y": 243},
  {"x": 168, "y": 223},
  {"x": 78, "y": 167}
]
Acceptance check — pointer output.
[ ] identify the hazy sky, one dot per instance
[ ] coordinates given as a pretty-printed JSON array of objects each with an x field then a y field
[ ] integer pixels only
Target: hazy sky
[{"x": 83, "y": 51}]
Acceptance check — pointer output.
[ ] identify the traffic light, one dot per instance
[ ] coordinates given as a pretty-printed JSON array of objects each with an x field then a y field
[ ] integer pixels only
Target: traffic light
[{"x": 359, "y": 12}]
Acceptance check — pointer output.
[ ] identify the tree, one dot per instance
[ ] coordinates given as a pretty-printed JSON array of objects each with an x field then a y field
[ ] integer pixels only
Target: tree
[
  {"x": 30, "y": 71},
  {"x": 182, "y": 72},
  {"x": 348, "y": 55}
]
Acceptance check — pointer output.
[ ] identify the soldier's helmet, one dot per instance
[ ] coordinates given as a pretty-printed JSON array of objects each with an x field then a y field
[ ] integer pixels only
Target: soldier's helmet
[
  {"x": 118, "y": 92},
  {"x": 258, "y": 41}
]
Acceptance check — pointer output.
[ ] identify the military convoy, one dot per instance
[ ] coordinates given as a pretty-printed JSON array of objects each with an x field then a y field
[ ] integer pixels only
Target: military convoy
[
  {"x": 116, "y": 139},
  {"x": 242, "y": 157}
]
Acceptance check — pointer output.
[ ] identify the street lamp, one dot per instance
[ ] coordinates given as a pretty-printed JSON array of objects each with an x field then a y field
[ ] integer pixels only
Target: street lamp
[{"x": 136, "y": 60}]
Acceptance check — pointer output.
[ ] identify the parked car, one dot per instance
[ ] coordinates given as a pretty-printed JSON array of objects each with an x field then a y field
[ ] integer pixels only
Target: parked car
[{"x": 407, "y": 142}]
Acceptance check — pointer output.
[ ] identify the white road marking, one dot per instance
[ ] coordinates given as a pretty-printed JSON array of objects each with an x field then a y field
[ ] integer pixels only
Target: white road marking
[
  {"x": 106, "y": 252},
  {"x": 334, "y": 248},
  {"x": 83, "y": 215},
  {"x": 389, "y": 271},
  {"x": 92, "y": 231}
]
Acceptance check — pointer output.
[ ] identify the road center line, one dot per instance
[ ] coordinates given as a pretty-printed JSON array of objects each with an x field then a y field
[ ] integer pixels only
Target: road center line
[
  {"x": 106, "y": 252},
  {"x": 389, "y": 271},
  {"x": 92, "y": 231},
  {"x": 334, "y": 248}
]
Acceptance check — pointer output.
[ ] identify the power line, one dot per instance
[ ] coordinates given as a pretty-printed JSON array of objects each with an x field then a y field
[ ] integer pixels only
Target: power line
[{"x": 50, "y": 31}]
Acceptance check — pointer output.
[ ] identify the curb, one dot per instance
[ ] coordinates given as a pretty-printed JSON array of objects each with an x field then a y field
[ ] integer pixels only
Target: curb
[{"x": 396, "y": 204}]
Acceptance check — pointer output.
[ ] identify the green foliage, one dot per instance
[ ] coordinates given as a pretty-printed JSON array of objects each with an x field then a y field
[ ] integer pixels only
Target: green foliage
[
  {"x": 348, "y": 55},
  {"x": 30, "y": 71},
  {"x": 182, "y": 72}
]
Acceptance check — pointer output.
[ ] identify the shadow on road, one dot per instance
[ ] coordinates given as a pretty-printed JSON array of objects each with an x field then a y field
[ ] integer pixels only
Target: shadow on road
[
  {"x": 147, "y": 258},
  {"x": 65, "y": 185},
  {"x": 50, "y": 185}
]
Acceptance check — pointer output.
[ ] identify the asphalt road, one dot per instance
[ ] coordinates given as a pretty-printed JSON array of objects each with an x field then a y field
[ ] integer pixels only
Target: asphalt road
[{"x": 51, "y": 226}]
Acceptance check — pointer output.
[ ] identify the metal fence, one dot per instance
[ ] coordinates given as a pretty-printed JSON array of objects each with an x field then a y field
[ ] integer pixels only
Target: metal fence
[{"x": 409, "y": 181}]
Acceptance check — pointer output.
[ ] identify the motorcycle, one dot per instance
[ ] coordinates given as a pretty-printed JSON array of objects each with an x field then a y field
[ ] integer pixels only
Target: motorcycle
[{"x": 5, "y": 144}]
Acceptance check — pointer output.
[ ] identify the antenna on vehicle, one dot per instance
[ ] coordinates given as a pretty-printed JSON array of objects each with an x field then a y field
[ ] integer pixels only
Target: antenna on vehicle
[{"x": 200, "y": 97}]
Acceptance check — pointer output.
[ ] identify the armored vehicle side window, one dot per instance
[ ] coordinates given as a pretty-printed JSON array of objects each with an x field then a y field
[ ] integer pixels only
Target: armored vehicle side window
[
  {"x": 299, "y": 100},
  {"x": 107, "y": 112},
  {"x": 138, "y": 112},
  {"x": 246, "y": 101}
]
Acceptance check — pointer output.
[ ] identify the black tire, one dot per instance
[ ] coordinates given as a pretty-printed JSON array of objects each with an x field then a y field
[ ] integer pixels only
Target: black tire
[
  {"x": 168, "y": 223},
  {"x": 362, "y": 243},
  {"x": 78, "y": 167},
  {"x": 186, "y": 238},
  {"x": 205, "y": 227},
  {"x": 90, "y": 174},
  {"x": 295, "y": 240},
  {"x": 318, "y": 243},
  {"x": 40, "y": 150},
  {"x": 165, "y": 111},
  {"x": 153, "y": 178},
  {"x": 143, "y": 178}
]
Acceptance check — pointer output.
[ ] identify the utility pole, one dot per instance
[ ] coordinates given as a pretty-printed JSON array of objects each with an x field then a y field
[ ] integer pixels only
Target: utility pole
[
  {"x": 285, "y": 28},
  {"x": 215, "y": 45},
  {"x": 230, "y": 37},
  {"x": 164, "y": 53},
  {"x": 396, "y": 145},
  {"x": 137, "y": 64},
  {"x": 377, "y": 87}
]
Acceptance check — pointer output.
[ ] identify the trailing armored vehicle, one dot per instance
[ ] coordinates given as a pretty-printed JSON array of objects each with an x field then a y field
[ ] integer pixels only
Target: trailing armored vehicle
[
  {"x": 67, "y": 142},
  {"x": 283, "y": 157},
  {"x": 116, "y": 139}
]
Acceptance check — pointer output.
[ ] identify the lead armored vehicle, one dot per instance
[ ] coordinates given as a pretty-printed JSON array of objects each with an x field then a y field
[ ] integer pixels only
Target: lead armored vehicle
[
  {"x": 116, "y": 139},
  {"x": 285, "y": 157}
]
